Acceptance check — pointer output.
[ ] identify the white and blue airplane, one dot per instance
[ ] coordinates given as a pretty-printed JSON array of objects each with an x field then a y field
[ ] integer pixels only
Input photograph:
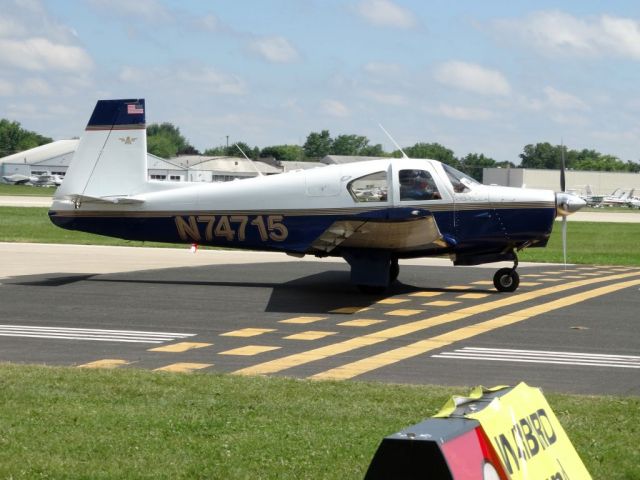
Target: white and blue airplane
[{"x": 370, "y": 213}]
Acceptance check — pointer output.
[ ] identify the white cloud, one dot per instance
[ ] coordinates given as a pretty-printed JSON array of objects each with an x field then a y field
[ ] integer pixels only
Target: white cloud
[
  {"x": 386, "y": 98},
  {"x": 36, "y": 86},
  {"x": 151, "y": 11},
  {"x": 555, "y": 100},
  {"x": 275, "y": 49},
  {"x": 195, "y": 79},
  {"x": 31, "y": 40},
  {"x": 385, "y": 13},
  {"x": 6, "y": 88},
  {"x": 563, "y": 100},
  {"x": 463, "y": 113},
  {"x": 559, "y": 33},
  {"x": 334, "y": 108},
  {"x": 382, "y": 69},
  {"x": 39, "y": 54},
  {"x": 473, "y": 78}
]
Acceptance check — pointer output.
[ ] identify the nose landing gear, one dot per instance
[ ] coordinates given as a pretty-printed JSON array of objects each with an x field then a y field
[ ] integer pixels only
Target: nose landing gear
[{"x": 507, "y": 279}]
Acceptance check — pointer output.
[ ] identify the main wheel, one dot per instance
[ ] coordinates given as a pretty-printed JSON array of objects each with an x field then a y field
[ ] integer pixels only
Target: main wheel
[{"x": 506, "y": 280}]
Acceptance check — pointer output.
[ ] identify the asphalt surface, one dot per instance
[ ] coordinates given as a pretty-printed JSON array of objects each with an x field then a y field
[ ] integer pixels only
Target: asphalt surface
[{"x": 566, "y": 330}]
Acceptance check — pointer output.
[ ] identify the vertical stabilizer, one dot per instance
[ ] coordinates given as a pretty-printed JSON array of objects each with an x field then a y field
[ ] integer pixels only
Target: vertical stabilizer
[{"x": 111, "y": 159}]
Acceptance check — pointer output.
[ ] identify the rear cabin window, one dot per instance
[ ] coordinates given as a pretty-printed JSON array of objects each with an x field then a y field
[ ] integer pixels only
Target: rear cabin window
[
  {"x": 370, "y": 188},
  {"x": 417, "y": 185}
]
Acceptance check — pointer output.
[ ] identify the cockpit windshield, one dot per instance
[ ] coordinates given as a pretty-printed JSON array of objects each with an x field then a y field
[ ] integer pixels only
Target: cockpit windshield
[{"x": 461, "y": 181}]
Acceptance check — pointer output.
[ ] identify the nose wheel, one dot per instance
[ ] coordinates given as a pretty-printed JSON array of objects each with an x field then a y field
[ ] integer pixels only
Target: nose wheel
[{"x": 507, "y": 279}]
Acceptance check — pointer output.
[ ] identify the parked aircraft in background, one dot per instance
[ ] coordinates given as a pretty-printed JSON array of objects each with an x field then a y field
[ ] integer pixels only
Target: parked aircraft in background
[
  {"x": 619, "y": 198},
  {"x": 44, "y": 180},
  {"x": 370, "y": 213}
]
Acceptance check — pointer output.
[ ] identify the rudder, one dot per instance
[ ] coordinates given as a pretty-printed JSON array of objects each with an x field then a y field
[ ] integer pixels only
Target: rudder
[{"x": 111, "y": 159}]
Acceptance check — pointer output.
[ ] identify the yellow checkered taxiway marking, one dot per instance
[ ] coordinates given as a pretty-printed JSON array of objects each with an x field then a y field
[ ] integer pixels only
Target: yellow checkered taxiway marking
[
  {"x": 310, "y": 335},
  {"x": 183, "y": 367},
  {"x": 180, "y": 347},
  {"x": 363, "y": 322},
  {"x": 473, "y": 296},
  {"x": 249, "y": 350},
  {"x": 373, "y": 338},
  {"x": 404, "y": 312},
  {"x": 303, "y": 320},
  {"x": 396, "y": 355},
  {"x": 350, "y": 310},
  {"x": 247, "y": 332},
  {"x": 106, "y": 363},
  {"x": 440, "y": 303},
  {"x": 392, "y": 301}
]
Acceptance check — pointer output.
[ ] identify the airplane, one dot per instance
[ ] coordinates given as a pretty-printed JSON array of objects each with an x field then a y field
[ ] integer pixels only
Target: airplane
[
  {"x": 421, "y": 207},
  {"x": 42, "y": 180},
  {"x": 619, "y": 198}
]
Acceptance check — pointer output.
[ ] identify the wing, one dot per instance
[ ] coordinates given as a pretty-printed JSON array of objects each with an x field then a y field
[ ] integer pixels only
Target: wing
[{"x": 417, "y": 230}]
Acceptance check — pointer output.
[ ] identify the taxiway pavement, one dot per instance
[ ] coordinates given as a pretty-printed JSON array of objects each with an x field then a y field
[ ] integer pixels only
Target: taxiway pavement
[{"x": 573, "y": 330}]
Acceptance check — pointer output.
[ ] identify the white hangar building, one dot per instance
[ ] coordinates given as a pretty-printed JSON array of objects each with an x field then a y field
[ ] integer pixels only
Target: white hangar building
[{"x": 600, "y": 183}]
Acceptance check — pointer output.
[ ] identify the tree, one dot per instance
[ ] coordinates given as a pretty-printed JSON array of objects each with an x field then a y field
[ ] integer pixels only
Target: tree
[
  {"x": 542, "y": 155},
  {"x": 14, "y": 138},
  {"x": 473, "y": 164},
  {"x": 545, "y": 155},
  {"x": 165, "y": 140},
  {"x": 289, "y": 153},
  {"x": 233, "y": 151},
  {"x": 349, "y": 145},
  {"x": 433, "y": 151},
  {"x": 374, "y": 151},
  {"x": 318, "y": 145}
]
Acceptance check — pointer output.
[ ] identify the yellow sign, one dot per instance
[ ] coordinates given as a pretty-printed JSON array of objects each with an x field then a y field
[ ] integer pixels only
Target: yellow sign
[{"x": 524, "y": 432}]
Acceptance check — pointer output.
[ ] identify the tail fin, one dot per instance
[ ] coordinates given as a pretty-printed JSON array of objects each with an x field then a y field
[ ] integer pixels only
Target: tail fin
[{"x": 111, "y": 159}]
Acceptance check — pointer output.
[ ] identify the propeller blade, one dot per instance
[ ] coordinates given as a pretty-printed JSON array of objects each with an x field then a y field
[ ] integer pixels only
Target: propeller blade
[
  {"x": 562, "y": 179},
  {"x": 564, "y": 240}
]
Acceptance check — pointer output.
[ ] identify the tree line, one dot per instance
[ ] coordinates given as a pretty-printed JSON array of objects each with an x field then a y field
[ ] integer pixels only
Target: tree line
[{"x": 166, "y": 141}]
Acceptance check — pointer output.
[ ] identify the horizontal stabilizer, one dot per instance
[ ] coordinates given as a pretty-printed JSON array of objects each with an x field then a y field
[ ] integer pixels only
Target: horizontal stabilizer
[{"x": 78, "y": 199}]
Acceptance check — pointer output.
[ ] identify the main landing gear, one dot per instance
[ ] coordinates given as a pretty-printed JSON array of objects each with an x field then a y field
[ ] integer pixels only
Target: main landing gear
[{"x": 507, "y": 279}]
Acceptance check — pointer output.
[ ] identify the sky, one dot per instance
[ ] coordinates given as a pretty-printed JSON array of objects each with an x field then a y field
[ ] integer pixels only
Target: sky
[{"x": 477, "y": 77}]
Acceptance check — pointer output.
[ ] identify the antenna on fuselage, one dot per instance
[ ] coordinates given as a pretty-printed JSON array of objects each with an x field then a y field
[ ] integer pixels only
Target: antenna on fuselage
[
  {"x": 250, "y": 161},
  {"x": 404, "y": 155}
]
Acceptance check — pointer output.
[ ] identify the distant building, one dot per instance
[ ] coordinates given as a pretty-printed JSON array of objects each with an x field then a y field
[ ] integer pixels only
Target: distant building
[
  {"x": 52, "y": 158},
  {"x": 600, "y": 183}
]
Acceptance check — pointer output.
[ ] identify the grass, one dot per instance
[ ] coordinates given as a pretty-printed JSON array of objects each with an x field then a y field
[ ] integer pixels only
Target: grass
[
  {"x": 588, "y": 242},
  {"x": 26, "y": 190},
  {"x": 130, "y": 423},
  {"x": 32, "y": 224}
]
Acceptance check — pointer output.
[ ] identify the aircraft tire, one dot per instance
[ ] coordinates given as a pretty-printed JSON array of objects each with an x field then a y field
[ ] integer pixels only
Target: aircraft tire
[{"x": 506, "y": 280}]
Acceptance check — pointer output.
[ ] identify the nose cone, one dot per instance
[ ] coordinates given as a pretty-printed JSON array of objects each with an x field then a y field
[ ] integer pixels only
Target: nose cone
[{"x": 566, "y": 203}]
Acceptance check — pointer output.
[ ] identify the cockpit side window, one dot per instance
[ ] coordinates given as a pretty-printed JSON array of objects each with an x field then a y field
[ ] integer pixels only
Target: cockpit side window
[
  {"x": 370, "y": 188},
  {"x": 461, "y": 182},
  {"x": 417, "y": 185}
]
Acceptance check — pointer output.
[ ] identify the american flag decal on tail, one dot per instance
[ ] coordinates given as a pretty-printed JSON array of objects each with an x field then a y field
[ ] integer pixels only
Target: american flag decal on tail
[{"x": 134, "y": 109}]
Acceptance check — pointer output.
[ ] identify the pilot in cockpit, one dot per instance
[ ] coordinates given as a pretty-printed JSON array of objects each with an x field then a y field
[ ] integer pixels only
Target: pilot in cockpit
[{"x": 417, "y": 185}]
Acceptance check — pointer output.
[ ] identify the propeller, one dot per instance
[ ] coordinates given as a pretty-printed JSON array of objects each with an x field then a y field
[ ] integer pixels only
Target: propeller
[{"x": 564, "y": 217}]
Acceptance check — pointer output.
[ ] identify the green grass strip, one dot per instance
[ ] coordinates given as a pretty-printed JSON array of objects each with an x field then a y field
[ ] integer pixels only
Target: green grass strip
[{"x": 130, "y": 423}]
